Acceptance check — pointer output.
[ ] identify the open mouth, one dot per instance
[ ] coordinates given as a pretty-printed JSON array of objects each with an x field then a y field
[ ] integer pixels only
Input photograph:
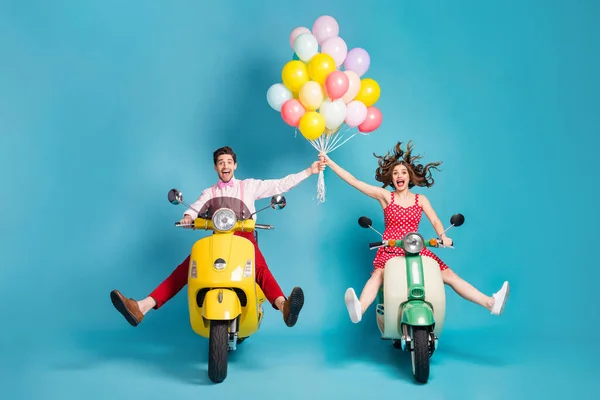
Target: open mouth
[
  {"x": 400, "y": 182},
  {"x": 226, "y": 173}
]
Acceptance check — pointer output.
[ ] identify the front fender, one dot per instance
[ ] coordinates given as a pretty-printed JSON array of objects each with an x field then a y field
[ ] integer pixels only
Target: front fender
[
  {"x": 221, "y": 304},
  {"x": 417, "y": 313}
]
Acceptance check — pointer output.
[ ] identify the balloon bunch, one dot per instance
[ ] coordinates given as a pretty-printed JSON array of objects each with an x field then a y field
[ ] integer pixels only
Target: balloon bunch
[{"x": 321, "y": 92}]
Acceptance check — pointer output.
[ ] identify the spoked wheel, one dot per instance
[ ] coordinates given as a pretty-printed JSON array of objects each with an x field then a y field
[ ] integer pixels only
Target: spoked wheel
[
  {"x": 218, "y": 347},
  {"x": 420, "y": 354}
]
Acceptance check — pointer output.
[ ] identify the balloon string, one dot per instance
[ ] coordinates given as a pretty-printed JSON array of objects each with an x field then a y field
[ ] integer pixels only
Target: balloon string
[
  {"x": 326, "y": 143},
  {"x": 342, "y": 143},
  {"x": 335, "y": 143},
  {"x": 321, "y": 187},
  {"x": 337, "y": 139}
]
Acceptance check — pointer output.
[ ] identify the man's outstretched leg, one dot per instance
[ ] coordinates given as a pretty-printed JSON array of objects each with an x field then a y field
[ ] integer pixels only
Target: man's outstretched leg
[
  {"x": 290, "y": 307},
  {"x": 134, "y": 311}
]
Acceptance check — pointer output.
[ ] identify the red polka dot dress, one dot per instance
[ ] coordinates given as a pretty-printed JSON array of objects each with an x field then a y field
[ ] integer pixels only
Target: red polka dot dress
[{"x": 398, "y": 222}]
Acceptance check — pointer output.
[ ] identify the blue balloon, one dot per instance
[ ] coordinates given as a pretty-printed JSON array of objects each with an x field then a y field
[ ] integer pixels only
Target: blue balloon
[{"x": 277, "y": 95}]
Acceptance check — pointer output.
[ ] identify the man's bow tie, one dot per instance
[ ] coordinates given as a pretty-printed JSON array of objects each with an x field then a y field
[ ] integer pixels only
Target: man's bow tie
[{"x": 225, "y": 184}]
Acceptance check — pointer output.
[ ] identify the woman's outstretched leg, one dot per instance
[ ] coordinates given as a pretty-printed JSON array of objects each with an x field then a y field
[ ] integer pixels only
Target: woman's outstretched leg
[
  {"x": 356, "y": 307},
  {"x": 494, "y": 303}
]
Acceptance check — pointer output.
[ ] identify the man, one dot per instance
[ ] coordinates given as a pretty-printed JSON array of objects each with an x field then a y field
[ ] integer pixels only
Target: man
[{"x": 248, "y": 190}]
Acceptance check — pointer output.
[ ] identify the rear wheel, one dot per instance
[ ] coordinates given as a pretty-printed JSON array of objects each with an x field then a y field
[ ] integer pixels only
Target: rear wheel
[
  {"x": 218, "y": 347},
  {"x": 420, "y": 354}
]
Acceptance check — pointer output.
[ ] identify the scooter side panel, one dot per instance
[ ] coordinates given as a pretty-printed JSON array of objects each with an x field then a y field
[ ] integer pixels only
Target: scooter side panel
[
  {"x": 435, "y": 292},
  {"x": 239, "y": 273},
  {"x": 395, "y": 293}
]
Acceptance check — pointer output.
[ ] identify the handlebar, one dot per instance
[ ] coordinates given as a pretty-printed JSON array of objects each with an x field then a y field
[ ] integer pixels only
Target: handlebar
[
  {"x": 263, "y": 226},
  {"x": 256, "y": 226},
  {"x": 434, "y": 242}
]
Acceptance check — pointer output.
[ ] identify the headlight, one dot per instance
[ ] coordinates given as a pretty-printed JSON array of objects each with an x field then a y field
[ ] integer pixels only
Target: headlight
[
  {"x": 224, "y": 219},
  {"x": 413, "y": 243},
  {"x": 220, "y": 264}
]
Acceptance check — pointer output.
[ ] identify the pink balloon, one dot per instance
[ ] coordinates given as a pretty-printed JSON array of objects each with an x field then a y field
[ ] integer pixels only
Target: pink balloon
[
  {"x": 353, "y": 86},
  {"x": 297, "y": 32},
  {"x": 336, "y": 84},
  {"x": 291, "y": 112},
  {"x": 372, "y": 121},
  {"x": 356, "y": 113},
  {"x": 336, "y": 48},
  {"x": 325, "y": 27}
]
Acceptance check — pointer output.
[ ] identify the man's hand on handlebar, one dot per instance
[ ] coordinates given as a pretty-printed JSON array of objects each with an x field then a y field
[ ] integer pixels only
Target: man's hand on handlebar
[{"x": 187, "y": 222}]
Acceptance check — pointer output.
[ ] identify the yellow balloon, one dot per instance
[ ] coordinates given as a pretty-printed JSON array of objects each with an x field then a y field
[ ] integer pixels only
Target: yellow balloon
[
  {"x": 369, "y": 92},
  {"x": 294, "y": 75},
  {"x": 312, "y": 125},
  {"x": 320, "y": 66},
  {"x": 311, "y": 95}
]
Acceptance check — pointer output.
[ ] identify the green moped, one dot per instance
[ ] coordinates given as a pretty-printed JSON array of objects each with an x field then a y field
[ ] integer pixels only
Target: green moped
[{"x": 411, "y": 305}]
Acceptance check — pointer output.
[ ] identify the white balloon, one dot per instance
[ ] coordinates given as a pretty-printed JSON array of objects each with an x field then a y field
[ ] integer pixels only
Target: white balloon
[
  {"x": 334, "y": 113},
  {"x": 277, "y": 95},
  {"x": 306, "y": 46}
]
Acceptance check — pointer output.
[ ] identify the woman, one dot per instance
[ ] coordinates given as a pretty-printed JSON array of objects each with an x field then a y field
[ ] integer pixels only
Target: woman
[{"x": 402, "y": 212}]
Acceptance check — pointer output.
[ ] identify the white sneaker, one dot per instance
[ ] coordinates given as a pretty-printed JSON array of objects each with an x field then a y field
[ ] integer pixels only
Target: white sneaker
[
  {"x": 353, "y": 305},
  {"x": 500, "y": 298}
]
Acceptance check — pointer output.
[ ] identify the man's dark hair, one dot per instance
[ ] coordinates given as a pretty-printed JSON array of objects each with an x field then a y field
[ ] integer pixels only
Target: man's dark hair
[{"x": 224, "y": 150}]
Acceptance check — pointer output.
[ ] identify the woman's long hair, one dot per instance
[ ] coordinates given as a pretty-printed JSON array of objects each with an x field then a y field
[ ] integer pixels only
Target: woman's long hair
[{"x": 420, "y": 175}]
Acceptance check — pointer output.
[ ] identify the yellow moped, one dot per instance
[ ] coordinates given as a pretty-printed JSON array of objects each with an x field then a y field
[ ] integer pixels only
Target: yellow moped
[{"x": 225, "y": 302}]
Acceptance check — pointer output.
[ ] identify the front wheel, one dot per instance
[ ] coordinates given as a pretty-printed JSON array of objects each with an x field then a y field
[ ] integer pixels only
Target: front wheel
[
  {"x": 218, "y": 347},
  {"x": 420, "y": 354}
]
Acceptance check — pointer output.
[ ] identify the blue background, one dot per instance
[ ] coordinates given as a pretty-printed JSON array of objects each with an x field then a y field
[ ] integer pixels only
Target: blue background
[{"x": 106, "y": 105}]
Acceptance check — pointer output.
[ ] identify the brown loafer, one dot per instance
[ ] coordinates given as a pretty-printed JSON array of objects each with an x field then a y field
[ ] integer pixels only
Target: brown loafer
[
  {"x": 292, "y": 306},
  {"x": 128, "y": 307}
]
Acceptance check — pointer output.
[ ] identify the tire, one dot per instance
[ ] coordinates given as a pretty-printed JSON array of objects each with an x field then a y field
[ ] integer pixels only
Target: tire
[
  {"x": 218, "y": 349},
  {"x": 420, "y": 354}
]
